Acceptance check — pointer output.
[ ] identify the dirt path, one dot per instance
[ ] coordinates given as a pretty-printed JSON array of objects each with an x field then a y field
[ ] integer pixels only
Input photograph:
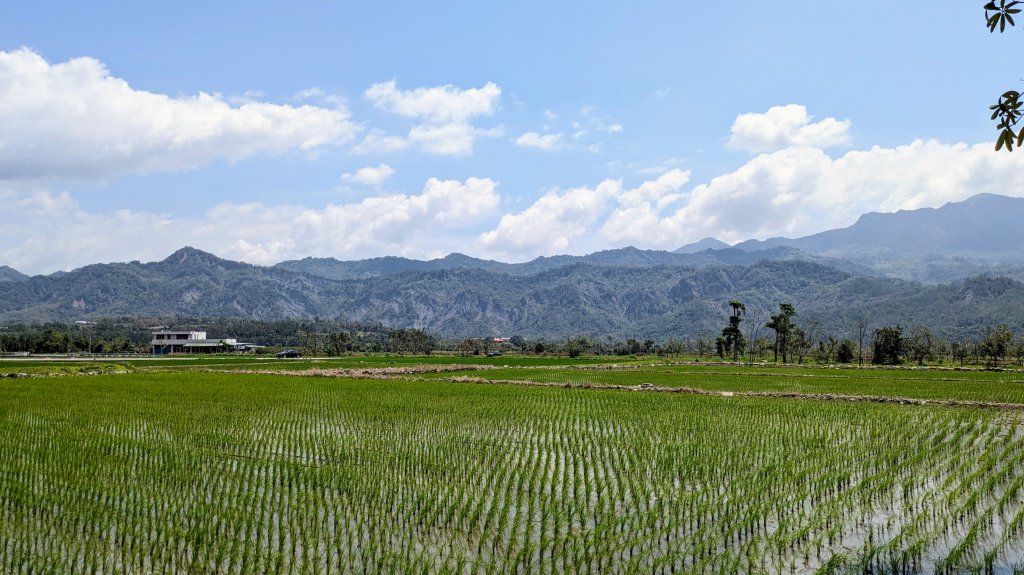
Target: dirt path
[{"x": 409, "y": 374}]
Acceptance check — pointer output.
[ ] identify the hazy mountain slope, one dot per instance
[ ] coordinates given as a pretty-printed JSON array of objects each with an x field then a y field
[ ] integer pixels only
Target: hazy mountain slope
[
  {"x": 930, "y": 244},
  {"x": 701, "y": 245},
  {"x": 626, "y": 257},
  {"x": 374, "y": 267},
  {"x": 9, "y": 274},
  {"x": 188, "y": 282}
]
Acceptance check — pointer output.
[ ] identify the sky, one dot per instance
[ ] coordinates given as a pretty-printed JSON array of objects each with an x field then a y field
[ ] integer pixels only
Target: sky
[{"x": 269, "y": 131}]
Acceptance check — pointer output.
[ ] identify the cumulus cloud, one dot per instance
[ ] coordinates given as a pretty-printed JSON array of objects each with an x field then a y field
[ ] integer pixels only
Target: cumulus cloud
[
  {"x": 445, "y": 114},
  {"x": 378, "y": 141},
  {"x": 786, "y": 126},
  {"x": 547, "y": 142},
  {"x": 440, "y": 103},
  {"x": 454, "y": 139},
  {"x": 370, "y": 176},
  {"x": 799, "y": 191},
  {"x": 76, "y": 120},
  {"x": 552, "y": 224},
  {"x": 317, "y": 95},
  {"x": 419, "y": 225},
  {"x": 584, "y": 219},
  {"x": 792, "y": 192}
]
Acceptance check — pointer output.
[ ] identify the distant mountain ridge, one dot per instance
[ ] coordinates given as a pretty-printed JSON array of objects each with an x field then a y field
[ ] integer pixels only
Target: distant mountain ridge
[
  {"x": 627, "y": 257},
  {"x": 980, "y": 234},
  {"x": 9, "y": 274},
  {"x": 980, "y": 225},
  {"x": 578, "y": 298},
  {"x": 701, "y": 245}
]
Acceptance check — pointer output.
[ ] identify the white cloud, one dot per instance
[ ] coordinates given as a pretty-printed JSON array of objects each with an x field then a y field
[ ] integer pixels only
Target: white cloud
[
  {"x": 76, "y": 120},
  {"x": 547, "y": 142},
  {"x": 370, "y": 176},
  {"x": 378, "y": 141},
  {"x": 445, "y": 114},
  {"x": 799, "y": 191},
  {"x": 443, "y": 139},
  {"x": 648, "y": 169},
  {"x": 552, "y": 225},
  {"x": 584, "y": 133},
  {"x": 420, "y": 225},
  {"x": 584, "y": 219},
  {"x": 439, "y": 104},
  {"x": 451, "y": 203},
  {"x": 318, "y": 95},
  {"x": 786, "y": 126},
  {"x": 793, "y": 192},
  {"x": 407, "y": 225},
  {"x": 635, "y": 220},
  {"x": 44, "y": 202}
]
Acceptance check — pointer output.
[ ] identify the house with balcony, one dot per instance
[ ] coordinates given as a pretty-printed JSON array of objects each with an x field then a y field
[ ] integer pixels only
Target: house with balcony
[{"x": 195, "y": 342}]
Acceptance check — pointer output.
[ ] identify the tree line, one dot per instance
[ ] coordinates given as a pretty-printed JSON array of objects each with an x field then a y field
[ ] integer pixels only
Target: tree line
[
  {"x": 888, "y": 345},
  {"x": 757, "y": 335}
]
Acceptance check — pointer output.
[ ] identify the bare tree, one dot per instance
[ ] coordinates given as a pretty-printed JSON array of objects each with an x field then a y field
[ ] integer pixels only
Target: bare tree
[{"x": 862, "y": 332}]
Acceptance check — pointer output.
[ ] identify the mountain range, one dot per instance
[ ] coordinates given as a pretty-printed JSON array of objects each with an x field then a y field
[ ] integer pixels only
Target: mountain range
[
  {"x": 909, "y": 268},
  {"x": 932, "y": 245}
]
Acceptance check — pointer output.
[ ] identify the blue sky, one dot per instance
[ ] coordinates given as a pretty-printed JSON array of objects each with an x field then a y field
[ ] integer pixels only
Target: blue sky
[{"x": 262, "y": 131}]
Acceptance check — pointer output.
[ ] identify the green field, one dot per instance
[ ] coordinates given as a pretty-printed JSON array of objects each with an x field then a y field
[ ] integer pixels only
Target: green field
[{"x": 177, "y": 467}]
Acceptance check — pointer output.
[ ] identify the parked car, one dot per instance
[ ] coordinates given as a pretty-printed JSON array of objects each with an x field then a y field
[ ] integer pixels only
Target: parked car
[
  {"x": 288, "y": 353},
  {"x": 493, "y": 353}
]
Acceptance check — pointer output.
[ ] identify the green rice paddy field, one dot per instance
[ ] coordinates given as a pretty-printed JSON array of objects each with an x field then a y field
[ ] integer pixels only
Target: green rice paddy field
[{"x": 208, "y": 467}]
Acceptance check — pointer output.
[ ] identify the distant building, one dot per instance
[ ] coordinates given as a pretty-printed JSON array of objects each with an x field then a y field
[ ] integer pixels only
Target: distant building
[{"x": 167, "y": 342}]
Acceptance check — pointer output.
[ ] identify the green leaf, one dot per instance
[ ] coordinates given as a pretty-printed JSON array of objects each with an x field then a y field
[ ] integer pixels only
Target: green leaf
[{"x": 1002, "y": 140}]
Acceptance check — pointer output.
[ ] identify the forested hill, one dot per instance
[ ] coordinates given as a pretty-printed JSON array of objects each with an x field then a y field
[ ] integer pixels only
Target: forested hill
[{"x": 652, "y": 301}]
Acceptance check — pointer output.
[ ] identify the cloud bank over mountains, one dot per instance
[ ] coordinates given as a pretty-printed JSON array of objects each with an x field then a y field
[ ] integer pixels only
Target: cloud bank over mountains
[{"x": 73, "y": 122}]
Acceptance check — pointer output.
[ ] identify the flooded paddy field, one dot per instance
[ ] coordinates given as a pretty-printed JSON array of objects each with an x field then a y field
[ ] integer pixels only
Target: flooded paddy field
[{"x": 579, "y": 468}]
